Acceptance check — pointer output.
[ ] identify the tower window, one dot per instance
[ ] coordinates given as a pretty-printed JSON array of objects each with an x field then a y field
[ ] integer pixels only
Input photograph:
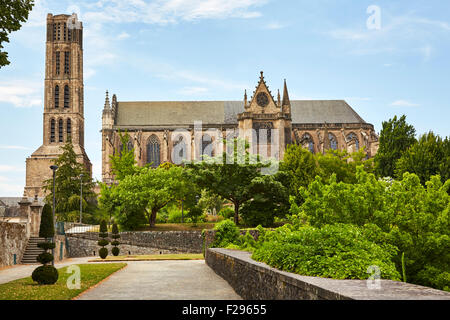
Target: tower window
[
  {"x": 57, "y": 61},
  {"x": 52, "y": 130},
  {"x": 66, "y": 96},
  {"x": 66, "y": 62},
  {"x": 60, "y": 130},
  {"x": 69, "y": 129},
  {"x": 65, "y": 31},
  {"x": 57, "y": 97},
  {"x": 69, "y": 34},
  {"x": 59, "y": 31},
  {"x": 54, "y": 31}
]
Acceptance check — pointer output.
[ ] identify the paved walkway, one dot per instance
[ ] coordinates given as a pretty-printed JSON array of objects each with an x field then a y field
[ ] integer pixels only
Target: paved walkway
[
  {"x": 23, "y": 271},
  {"x": 163, "y": 280}
]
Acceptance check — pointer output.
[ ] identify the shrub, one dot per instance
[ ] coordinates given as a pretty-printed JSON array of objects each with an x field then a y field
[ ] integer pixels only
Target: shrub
[
  {"x": 45, "y": 275},
  {"x": 103, "y": 253},
  {"x": 115, "y": 235},
  {"x": 404, "y": 214},
  {"x": 226, "y": 233},
  {"x": 226, "y": 212},
  {"x": 115, "y": 251},
  {"x": 103, "y": 241},
  {"x": 174, "y": 214},
  {"x": 194, "y": 214},
  {"x": 334, "y": 251}
]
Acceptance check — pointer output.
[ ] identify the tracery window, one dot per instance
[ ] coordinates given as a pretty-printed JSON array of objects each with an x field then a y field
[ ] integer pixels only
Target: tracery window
[
  {"x": 333, "y": 141},
  {"x": 153, "y": 151},
  {"x": 352, "y": 136},
  {"x": 52, "y": 130},
  {"x": 308, "y": 142},
  {"x": 69, "y": 129},
  {"x": 66, "y": 96}
]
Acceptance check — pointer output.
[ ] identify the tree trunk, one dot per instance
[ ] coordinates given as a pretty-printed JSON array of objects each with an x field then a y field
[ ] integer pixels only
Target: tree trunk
[
  {"x": 153, "y": 217},
  {"x": 236, "y": 213}
]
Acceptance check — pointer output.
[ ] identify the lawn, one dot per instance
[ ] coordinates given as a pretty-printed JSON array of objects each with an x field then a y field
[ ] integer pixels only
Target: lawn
[
  {"x": 26, "y": 289},
  {"x": 154, "y": 257}
]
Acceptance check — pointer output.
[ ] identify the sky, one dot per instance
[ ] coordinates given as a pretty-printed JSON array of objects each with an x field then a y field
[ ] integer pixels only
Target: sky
[{"x": 385, "y": 58}]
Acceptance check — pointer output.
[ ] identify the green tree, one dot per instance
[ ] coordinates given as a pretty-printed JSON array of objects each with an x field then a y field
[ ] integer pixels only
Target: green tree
[
  {"x": 210, "y": 202},
  {"x": 116, "y": 236},
  {"x": 395, "y": 138},
  {"x": 150, "y": 190},
  {"x": 230, "y": 175},
  {"x": 68, "y": 184},
  {"x": 300, "y": 167},
  {"x": 122, "y": 161},
  {"x": 12, "y": 14},
  {"x": 103, "y": 240},
  {"x": 429, "y": 156}
]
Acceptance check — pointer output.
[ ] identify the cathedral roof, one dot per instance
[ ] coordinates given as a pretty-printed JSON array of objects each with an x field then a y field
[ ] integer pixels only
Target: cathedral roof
[{"x": 172, "y": 113}]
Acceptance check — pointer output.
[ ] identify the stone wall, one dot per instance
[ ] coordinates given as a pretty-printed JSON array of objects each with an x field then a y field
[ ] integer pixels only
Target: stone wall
[
  {"x": 254, "y": 280},
  {"x": 134, "y": 243},
  {"x": 13, "y": 240}
]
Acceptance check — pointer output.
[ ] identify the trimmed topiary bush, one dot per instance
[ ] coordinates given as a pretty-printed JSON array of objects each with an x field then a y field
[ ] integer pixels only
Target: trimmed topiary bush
[
  {"x": 46, "y": 274},
  {"x": 115, "y": 235},
  {"x": 103, "y": 241}
]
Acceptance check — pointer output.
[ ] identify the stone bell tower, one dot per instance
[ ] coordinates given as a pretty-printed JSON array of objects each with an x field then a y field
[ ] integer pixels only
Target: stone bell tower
[
  {"x": 63, "y": 100},
  {"x": 266, "y": 122}
]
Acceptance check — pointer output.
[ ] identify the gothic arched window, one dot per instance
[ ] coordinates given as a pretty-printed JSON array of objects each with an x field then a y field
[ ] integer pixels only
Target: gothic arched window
[
  {"x": 153, "y": 151},
  {"x": 333, "y": 141},
  {"x": 52, "y": 130},
  {"x": 66, "y": 96},
  {"x": 179, "y": 152},
  {"x": 308, "y": 142},
  {"x": 69, "y": 129},
  {"x": 130, "y": 145},
  {"x": 352, "y": 136},
  {"x": 57, "y": 96},
  {"x": 206, "y": 146},
  {"x": 60, "y": 131}
]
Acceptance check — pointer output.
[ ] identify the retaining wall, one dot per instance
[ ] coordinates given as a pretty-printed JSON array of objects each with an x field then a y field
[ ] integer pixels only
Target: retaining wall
[
  {"x": 254, "y": 280},
  {"x": 148, "y": 242},
  {"x": 13, "y": 240}
]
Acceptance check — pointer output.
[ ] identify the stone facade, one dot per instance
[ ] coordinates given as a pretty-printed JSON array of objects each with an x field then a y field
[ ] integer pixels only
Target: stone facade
[
  {"x": 63, "y": 117},
  {"x": 13, "y": 240},
  {"x": 85, "y": 244},
  {"x": 254, "y": 280}
]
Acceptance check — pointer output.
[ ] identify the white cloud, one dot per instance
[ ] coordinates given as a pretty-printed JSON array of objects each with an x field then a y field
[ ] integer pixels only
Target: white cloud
[
  {"x": 275, "y": 26},
  {"x": 9, "y": 168},
  {"x": 403, "y": 103},
  {"x": 426, "y": 52},
  {"x": 171, "y": 11},
  {"x": 123, "y": 36},
  {"x": 21, "y": 93},
  {"x": 193, "y": 90},
  {"x": 10, "y": 190},
  {"x": 15, "y": 148}
]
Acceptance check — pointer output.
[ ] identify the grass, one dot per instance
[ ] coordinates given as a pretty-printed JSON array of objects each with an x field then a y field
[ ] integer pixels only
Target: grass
[
  {"x": 154, "y": 257},
  {"x": 178, "y": 227},
  {"x": 26, "y": 289}
]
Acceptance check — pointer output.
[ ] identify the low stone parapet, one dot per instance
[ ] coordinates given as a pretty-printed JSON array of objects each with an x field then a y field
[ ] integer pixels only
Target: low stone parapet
[{"x": 254, "y": 280}]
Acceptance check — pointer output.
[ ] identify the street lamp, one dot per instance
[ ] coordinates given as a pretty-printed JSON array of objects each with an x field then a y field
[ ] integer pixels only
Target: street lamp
[
  {"x": 81, "y": 195},
  {"x": 54, "y": 168}
]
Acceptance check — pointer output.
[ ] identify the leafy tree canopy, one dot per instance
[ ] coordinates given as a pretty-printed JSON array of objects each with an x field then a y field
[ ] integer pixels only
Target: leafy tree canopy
[
  {"x": 68, "y": 184},
  {"x": 12, "y": 14},
  {"x": 395, "y": 138}
]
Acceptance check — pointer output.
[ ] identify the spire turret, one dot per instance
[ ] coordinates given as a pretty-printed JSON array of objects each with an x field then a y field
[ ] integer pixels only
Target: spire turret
[
  {"x": 107, "y": 105},
  {"x": 286, "y": 101}
]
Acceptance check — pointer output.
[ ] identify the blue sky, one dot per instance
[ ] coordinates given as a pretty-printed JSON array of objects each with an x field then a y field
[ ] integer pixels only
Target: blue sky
[{"x": 214, "y": 49}]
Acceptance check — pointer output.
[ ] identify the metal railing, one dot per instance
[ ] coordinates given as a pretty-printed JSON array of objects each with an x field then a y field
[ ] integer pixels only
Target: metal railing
[{"x": 75, "y": 228}]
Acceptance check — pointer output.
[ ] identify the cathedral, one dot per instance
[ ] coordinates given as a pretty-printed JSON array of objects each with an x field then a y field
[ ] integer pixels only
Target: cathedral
[
  {"x": 157, "y": 128},
  {"x": 173, "y": 131}
]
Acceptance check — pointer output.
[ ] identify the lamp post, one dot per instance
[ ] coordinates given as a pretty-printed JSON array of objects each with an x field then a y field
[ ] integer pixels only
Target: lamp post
[
  {"x": 54, "y": 168},
  {"x": 81, "y": 196}
]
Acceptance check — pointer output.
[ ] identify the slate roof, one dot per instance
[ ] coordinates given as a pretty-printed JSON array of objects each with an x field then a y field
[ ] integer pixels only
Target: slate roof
[{"x": 167, "y": 113}]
